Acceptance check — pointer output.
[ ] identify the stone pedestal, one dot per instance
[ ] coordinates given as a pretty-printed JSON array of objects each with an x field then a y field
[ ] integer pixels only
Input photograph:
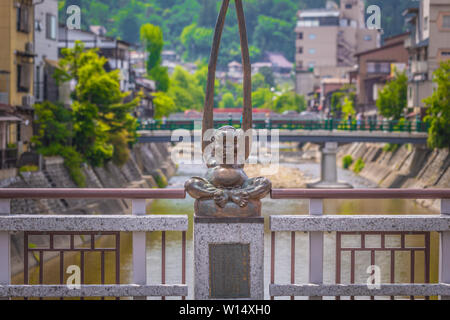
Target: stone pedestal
[
  {"x": 228, "y": 258},
  {"x": 329, "y": 178}
]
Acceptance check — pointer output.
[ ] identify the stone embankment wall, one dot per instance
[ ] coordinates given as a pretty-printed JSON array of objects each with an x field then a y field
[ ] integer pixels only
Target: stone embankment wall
[
  {"x": 407, "y": 167},
  {"x": 148, "y": 164}
]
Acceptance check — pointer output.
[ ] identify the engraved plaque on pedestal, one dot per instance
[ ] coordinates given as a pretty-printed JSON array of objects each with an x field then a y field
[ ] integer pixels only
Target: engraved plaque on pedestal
[{"x": 229, "y": 270}]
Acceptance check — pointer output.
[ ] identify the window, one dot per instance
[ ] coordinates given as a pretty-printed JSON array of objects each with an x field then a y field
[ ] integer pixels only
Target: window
[
  {"x": 312, "y": 51},
  {"x": 446, "y": 21},
  {"x": 311, "y": 65},
  {"x": 348, "y": 6},
  {"x": 300, "y": 50},
  {"x": 38, "y": 83},
  {"x": 368, "y": 37},
  {"x": 50, "y": 26},
  {"x": 23, "y": 18},
  {"x": 23, "y": 77},
  {"x": 379, "y": 67},
  {"x": 300, "y": 36},
  {"x": 445, "y": 53},
  {"x": 312, "y": 36}
]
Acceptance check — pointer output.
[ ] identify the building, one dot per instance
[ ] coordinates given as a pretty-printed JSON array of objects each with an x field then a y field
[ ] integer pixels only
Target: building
[
  {"x": 280, "y": 65},
  {"x": 146, "y": 109},
  {"x": 116, "y": 51},
  {"x": 375, "y": 68},
  {"x": 328, "y": 86},
  {"x": 16, "y": 79},
  {"x": 46, "y": 49},
  {"x": 428, "y": 45},
  {"x": 327, "y": 40}
]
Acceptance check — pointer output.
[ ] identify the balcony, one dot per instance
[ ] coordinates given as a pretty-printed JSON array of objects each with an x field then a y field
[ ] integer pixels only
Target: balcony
[{"x": 419, "y": 67}]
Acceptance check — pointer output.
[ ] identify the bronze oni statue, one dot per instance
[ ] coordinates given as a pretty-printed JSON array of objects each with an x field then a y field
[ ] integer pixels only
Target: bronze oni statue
[{"x": 226, "y": 191}]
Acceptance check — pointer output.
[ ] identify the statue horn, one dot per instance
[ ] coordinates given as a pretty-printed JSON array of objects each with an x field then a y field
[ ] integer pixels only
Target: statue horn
[{"x": 208, "y": 113}]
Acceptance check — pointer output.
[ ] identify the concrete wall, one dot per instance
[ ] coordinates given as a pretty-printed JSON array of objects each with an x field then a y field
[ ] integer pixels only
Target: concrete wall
[{"x": 407, "y": 167}]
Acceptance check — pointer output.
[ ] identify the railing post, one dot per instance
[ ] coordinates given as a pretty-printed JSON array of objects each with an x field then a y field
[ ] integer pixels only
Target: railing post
[
  {"x": 444, "y": 256},
  {"x": 139, "y": 248},
  {"x": 5, "y": 252},
  {"x": 316, "y": 247}
]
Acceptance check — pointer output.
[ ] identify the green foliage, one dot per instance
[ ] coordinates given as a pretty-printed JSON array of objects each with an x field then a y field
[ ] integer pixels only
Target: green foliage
[
  {"x": 262, "y": 98},
  {"x": 392, "y": 99},
  {"x": 289, "y": 101},
  {"x": 152, "y": 38},
  {"x": 98, "y": 110},
  {"x": 270, "y": 23},
  {"x": 164, "y": 105},
  {"x": 186, "y": 90},
  {"x": 269, "y": 78},
  {"x": 343, "y": 102},
  {"x": 348, "y": 108},
  {"x": 391, "y": 147},
  {"x": 160, "y": 179},
  {"x": 438, "y": 112},
  {"x": 30, "y": 168},
  {"x": 98, "y": 127},
  {"x": 347, "y": 161},
  {"x": 227, "y": 101},
  {"x": 359, "y": 165},
  {"x": 54, "y": 137},
  {"x": 275, "y": 35}
]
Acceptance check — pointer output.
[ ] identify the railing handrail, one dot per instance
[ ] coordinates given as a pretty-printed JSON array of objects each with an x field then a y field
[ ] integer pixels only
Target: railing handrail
[
  {"x": 360, "y": 194},
  {"x": 86, "y": 223},
  {"x": 123, "y": 193},
  {"x": 80, "y": 193},
  {"x": 359, "y": 223}
]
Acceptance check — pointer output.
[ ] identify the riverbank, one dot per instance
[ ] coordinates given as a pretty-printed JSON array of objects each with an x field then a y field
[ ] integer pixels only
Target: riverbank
[{"x": 403, "y": 167}]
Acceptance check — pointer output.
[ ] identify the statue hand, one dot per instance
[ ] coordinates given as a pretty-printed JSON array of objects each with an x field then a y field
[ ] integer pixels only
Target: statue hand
[{"x": 221, "y": 198}]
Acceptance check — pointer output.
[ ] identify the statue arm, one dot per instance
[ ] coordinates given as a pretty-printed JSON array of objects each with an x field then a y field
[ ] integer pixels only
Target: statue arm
[
  {"x": 199, "y": 188},
  {"x": 257, "y": 188}
]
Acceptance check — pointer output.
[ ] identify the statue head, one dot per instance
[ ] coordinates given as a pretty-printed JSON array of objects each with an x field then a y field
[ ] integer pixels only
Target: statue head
[{"x": 227, "y": 148}]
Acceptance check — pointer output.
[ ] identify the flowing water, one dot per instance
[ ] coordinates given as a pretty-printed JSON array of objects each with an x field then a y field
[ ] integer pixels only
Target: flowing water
[{"x": 283, "y": 259}]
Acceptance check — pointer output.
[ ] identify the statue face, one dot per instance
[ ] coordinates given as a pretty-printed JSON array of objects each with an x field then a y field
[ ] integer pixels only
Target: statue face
[{"x": 227, "y": 148}]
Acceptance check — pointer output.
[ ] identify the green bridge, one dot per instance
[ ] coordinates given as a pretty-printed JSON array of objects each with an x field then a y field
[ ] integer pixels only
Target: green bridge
[{"x": 288, "y": 124}]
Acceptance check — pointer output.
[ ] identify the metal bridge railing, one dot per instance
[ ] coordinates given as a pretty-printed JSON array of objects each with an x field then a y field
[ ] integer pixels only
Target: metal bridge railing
[
  {"x": 379, "y": 226},
  {"x": 315, "y": 224},
  {"x": 330, "y": 125},
  {"x": 73, "y": 226}
]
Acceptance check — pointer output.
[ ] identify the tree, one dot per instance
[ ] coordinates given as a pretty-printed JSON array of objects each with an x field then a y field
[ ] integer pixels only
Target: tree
[
  {"x": 438, "y": 112},
  {"x": 262, "y": 98},
  {"x": 152, "y": 38},
  {"x": 268, "y": 76},
  {"x": 99, "y": 112},
  {"x": 259, "y": 81},
  {"x": 227, "y": 101},
  {"x": 53, "y": 137},
  {"x": 348, "y": 108},
  {"x": 275, "y": 35},
  {"x": 164, "y": 105},
  {"x": 392, "y": 99},
  {"x": 289, "y": 101}
]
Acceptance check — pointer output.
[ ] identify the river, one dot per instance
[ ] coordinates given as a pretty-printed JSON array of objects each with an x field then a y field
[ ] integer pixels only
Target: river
[{"x": 270, "y": 207}]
